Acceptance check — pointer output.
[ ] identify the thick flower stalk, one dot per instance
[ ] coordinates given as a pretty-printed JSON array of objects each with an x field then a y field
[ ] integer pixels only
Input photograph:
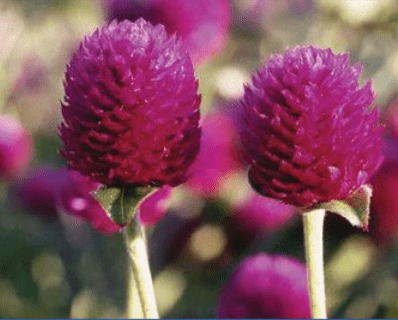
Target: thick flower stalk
[
  {"x": 131, "y": 107},
  {"x": 266, "y": 286},
  {"x": 307, "y": 131}
]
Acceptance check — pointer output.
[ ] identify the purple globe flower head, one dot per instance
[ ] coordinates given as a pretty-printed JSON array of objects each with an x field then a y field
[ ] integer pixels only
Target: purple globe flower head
[
  {"x": 16, "y": 148},
  {"x": 131, "y": 110},
  {"x": 74, "y": 196},
  {"x": 153, "y": 208},
  {"x": 265, "y": 286},
  {"x": 307, "y": 130},
  {"x": 203, "y": 28},
  {"x": 260, "y": 214},
  {"x": 218, "y": 158}
]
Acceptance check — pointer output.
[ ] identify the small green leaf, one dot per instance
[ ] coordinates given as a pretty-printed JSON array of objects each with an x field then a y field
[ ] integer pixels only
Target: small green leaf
[
  {"x": 355, "y": 208},
  {"x": 121, "y": 204},
  {"x": 107, "y": 196}
]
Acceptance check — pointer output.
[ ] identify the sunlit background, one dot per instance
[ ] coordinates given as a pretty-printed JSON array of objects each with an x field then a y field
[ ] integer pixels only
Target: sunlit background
[{"x": 54, "y": 265}]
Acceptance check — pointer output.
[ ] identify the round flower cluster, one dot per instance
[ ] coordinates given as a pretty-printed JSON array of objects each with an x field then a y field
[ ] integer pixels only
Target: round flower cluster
[
  {"x": 131, "y": 110},
  {"x": 307, "y": 130}
]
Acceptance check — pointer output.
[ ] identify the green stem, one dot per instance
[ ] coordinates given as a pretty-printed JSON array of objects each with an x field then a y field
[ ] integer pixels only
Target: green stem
[
  {"x": 313, "y": 241},
  {"x": 140, "y": 278}
]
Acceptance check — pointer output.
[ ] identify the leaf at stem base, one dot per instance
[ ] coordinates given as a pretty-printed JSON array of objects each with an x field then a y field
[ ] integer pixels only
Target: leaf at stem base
[
  {"x": 355, "y": 208},
  {"x": 121, "y": 203}
]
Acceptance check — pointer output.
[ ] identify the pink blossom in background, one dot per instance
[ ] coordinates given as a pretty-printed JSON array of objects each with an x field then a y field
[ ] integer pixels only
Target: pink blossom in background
[
  {"x": 384, "y": 205},
  {"x": 258, "y": 213},
  {"x": 153, "y": 208},
  {"x": 391, "y": 148},
  {"x": 301, "y": 8},
  {"x": 218, "y": 156},
  {"x": 74, "y": 196},
  {"x": 265, "y": 286},
  {"x": 35, "y": 193},
  {"x": 389, "y": 116},
  {"x": 46, "y": 192},
  {"x": 255, "y": 14},
  {"x": 16, "y": 148},
  {"x": 32, "y": 77},
  {"x": 203, "y": 27}
]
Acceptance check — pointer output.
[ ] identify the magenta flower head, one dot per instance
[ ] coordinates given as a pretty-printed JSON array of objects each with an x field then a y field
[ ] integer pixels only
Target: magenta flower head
[
  {"x": 131, "y": 110},
  {"x": 307, "y": 130},
  {"x": 266, "y": 286},
  {"x": 16, "y": 148},
  {"x": 203, "y": 28}
]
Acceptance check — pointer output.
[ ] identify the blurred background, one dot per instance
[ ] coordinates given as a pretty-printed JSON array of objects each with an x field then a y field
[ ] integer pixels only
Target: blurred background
[{"x": 54, "y": 265}]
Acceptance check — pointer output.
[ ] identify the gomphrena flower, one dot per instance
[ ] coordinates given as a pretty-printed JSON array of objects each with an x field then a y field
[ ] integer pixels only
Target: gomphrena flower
[
  {"x": 267, "y": 287},
  {"x": 203, "y": 28},
  {"x": 16, "y": 147},
  {"x": 307, "y": 129},
  {"x": 131, "y": 109}
]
